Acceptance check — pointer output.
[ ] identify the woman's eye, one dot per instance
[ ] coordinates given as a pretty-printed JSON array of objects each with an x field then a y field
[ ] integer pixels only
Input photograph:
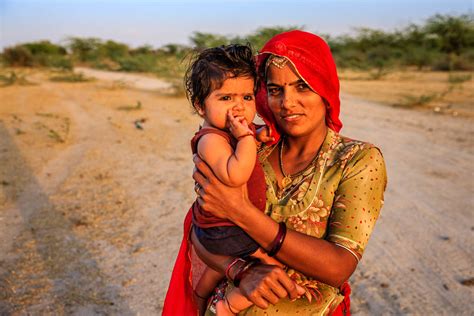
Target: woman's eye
[
  {"x": 273, "y": 91},
  {"x": 302, "y": 86}
]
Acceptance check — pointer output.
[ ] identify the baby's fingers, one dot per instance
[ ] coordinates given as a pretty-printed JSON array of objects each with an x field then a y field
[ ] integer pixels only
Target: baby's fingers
[{"x": 231, "y": 119}]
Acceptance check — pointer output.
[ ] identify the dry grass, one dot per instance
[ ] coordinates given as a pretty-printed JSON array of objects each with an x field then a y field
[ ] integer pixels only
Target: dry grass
[
  {"x": 14, "y": 78},
  {"x": 136, "y": 107},
  {"x": 70, "y": 77},
  {"x": 440, "y": 91}
]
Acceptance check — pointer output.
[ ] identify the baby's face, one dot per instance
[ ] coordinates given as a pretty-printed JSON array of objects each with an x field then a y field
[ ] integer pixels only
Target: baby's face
[{"x": 237, "y": 95}]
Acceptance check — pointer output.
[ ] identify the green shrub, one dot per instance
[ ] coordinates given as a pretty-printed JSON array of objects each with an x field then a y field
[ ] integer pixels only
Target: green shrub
[
  {"x": 84, "y": 49},
  {"x": 113, "y": 50},
  {"x": 18, "y": 56},
  {"x": 138, "y": 63},
  {"x": 45, "y": 48}
]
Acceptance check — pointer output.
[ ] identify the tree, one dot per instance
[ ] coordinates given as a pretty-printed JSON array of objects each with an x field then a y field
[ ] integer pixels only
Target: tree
[
  {"x": 205, "y": 40},
  {"x": 113, "y": 50},
  {"x": 85, "y": 49},
  {"x": 264, "y": 34},
  {"x": 455, "y": 33}
]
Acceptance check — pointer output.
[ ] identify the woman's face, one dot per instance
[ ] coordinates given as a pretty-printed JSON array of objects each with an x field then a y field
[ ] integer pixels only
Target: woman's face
[{"x": 298, "y": 110}]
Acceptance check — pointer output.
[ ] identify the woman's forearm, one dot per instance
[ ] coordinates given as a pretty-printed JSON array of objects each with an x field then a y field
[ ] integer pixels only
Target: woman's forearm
[{"x": 314, "y": 257}]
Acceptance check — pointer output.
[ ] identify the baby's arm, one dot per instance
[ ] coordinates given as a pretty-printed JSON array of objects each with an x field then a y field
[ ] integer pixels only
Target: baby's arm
[{"x": 231, "y": 167}]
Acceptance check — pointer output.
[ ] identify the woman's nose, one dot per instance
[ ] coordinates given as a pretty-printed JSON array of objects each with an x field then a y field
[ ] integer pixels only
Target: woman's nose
[{"x": 288, "y": 100}]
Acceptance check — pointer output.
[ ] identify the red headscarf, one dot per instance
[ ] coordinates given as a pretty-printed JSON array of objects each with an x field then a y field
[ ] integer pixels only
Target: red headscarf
[{"x": 312, "y": 58}]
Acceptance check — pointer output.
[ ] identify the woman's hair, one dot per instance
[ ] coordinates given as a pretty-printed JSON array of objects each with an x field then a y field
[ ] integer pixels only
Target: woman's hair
[{"x": 212, "y": 66}]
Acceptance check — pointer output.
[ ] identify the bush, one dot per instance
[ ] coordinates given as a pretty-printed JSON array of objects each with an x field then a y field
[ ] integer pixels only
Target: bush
[
  {"x": 454, "y": 62},
  {"x": 42, "y": 54},
  {"x": 45, "y": 48},
  {"x": 170, "y": 66},
  {"x": 138, "y": 63},
  {"x": 113, "y": 50},
  {"x": 54, "y": 61},
  {"x": 18, "y": 56}
]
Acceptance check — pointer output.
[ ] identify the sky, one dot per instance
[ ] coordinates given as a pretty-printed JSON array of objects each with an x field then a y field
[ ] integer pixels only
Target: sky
[{"x": 160, "y": 22}]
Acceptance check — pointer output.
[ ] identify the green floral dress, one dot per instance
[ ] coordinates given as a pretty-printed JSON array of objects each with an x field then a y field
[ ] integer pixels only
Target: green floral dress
[{"x": 338, "y": 198}]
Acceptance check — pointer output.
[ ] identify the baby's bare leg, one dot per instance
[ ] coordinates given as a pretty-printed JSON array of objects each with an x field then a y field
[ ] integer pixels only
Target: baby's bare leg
[
  {"x": 233, "y": 303},
  {"x": 204, "y": 288}
]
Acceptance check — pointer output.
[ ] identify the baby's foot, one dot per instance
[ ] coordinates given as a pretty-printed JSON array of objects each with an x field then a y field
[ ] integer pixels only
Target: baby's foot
[{"x": 222, "y": 309}]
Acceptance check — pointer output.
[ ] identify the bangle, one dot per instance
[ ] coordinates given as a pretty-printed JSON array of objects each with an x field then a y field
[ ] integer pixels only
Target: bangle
[
  {"x": 240, "y": 274},
  {"x": 245, "y": 135},
  {"x": 278, "y": 241},
  {"x": 231, "y": 265}
]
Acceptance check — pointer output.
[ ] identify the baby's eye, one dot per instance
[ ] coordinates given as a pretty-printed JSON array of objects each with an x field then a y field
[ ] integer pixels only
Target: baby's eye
[
  {"x": 225, "y": 98},
  {"x": 248, "y": 97}
]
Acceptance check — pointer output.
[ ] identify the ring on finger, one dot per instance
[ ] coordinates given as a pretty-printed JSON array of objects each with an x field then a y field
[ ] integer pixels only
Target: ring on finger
[{"x": 197, "y": 187}]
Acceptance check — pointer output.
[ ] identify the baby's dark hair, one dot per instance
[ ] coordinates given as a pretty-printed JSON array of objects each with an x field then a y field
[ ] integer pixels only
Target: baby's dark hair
[{"x": 212, "y": 66}]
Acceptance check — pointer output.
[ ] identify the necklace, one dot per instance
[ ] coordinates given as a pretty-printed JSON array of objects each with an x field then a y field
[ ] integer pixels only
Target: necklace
[{"x": 288, "y": 178}]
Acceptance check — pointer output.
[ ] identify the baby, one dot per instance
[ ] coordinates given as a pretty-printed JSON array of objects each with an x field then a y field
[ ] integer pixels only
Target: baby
[{"x": 220, "y": 84}]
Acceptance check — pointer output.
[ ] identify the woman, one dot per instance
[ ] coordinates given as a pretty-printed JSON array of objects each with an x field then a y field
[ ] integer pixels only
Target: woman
[{"x": 327, "y": 189}]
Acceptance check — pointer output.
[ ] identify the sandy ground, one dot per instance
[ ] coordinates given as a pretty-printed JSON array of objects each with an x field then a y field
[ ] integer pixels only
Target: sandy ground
[{"x": 93, "y": 193}]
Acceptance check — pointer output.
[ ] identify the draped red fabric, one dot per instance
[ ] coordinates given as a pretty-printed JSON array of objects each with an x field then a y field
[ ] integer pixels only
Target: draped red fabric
[
  {"x": 179, "y": 298},
  {"x": 344, "y": 309},
  {"x": 312, "y": 58}
]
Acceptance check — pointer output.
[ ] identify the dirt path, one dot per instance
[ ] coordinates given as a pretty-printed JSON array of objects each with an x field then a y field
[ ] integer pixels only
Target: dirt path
[
  {"x": 422, "y": 248},
  {"x": 137, "y": 81},
  {"x": 91, "y": 205}
]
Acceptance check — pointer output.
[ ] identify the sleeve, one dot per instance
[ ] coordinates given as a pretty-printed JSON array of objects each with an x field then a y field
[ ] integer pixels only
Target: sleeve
[{"x": 358, "y": 201}]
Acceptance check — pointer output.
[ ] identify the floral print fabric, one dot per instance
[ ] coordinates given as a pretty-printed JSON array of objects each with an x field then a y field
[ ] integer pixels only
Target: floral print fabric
[{"x": 338, "y": 198}]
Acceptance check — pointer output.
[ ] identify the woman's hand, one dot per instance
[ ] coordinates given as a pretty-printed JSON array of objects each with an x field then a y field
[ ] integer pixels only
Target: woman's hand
[
  {"x": 264, "y": 134},
  {"x": 262, "y": 284},
  {"x": 215, "y": 197},
  {"x": 266, "y": 284}
]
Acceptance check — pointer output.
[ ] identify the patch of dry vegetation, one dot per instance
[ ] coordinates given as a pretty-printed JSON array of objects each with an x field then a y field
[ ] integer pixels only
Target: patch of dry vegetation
[
  {"x": 70, "y": 77},
  {"x": 446, "y": 92}
]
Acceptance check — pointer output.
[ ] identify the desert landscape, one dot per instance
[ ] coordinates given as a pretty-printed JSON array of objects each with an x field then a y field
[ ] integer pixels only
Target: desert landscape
[{"x": 95, "y": 179}]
